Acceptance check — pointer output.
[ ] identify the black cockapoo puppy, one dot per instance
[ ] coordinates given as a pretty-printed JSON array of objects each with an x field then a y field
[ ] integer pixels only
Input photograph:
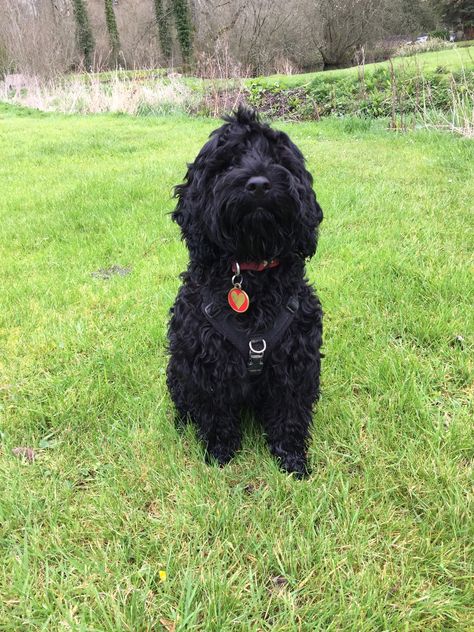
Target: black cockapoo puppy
[{"x": 246, "y": 328}]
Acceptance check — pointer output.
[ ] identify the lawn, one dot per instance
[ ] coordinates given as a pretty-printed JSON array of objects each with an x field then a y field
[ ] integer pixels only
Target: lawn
[
  {"x": 117, "y": 524},
  {"x": 449, "y": 60},
  {"x": 459, "y": 57}
]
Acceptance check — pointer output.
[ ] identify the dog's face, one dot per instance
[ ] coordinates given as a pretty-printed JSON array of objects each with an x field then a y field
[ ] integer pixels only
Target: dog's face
[{"x": 248, "y": 195}]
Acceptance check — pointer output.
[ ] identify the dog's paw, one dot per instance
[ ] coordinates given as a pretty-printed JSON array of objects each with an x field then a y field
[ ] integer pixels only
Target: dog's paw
[
  {"x": 295, "y": 464},
  {"x": 220, "y": 454}
]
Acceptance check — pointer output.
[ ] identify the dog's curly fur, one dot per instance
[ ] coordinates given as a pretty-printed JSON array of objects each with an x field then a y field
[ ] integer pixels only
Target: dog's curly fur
[{"x": 222, "y": 222}]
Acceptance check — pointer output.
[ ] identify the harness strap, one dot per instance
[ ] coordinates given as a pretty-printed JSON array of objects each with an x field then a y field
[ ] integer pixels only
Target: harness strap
[{"x": 257, "y": 347}]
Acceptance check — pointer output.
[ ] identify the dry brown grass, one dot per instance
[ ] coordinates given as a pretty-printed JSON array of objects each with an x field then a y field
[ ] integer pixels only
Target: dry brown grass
[
  {"x": 460, "y": 118},
  {"x": 87, "y": 94}
]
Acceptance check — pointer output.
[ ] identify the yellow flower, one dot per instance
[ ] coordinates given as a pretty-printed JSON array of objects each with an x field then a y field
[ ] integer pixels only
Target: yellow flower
[{"x": 162, "y": 576}]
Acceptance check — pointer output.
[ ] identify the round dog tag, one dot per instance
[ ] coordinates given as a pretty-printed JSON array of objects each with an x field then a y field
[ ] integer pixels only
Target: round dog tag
[{"x": 238, "y": 300}]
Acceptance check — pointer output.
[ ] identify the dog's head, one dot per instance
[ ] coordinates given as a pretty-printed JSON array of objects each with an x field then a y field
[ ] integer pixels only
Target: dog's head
[{"x": 248, "y": 195}]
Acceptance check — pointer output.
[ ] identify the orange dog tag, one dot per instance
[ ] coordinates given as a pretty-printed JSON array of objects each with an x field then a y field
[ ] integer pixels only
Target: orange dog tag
[{"x": 238, "y": 300}]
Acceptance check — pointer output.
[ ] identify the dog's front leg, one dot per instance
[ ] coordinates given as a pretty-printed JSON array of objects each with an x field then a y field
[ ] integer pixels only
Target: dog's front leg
[
  {"x": 287, "y": 422},
  {"x": 219, "y": 429}
]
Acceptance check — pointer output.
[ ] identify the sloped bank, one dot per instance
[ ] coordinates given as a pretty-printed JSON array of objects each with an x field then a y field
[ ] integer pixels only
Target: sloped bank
[{"x": 382, "y": 93}]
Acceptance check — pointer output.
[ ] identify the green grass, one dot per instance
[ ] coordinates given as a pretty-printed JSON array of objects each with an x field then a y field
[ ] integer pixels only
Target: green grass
[
  {"x": 455, "y": 59},
  {"x": 379, "y": 538},
  {"x": 450, "y": 60}
]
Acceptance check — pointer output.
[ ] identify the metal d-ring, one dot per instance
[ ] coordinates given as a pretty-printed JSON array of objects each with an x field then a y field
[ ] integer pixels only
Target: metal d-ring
[
  {"x": 237, "y": 284},
  {"x": 264, "y": 346},
  {"x": 237, "y": 275}
]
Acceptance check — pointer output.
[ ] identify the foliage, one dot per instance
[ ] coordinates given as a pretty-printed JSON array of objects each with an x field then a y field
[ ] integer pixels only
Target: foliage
[
  {"x": 458, "y": 12},
  {"x": 110, "y": 92},
  {"x": 261, "y": 36},
  {"x": 119, "y": 524},
  {"x": 430, "y": 81},
  {"x": 112, "y": 30},
  {"x": 343, "y": 27},
  {"x": 182, "y": 16},
  {"x": 403, "y": 89},
  {"x": 4, "y": 61},
  {"x": 162, "y": 16},
  {"x": 440, "y": 34},
  {"x": 84, "y": 36},
  {"x": 375, "y": 94},
  {"x": 457, "y": 58},
  {"x": 432, "y": 44}
]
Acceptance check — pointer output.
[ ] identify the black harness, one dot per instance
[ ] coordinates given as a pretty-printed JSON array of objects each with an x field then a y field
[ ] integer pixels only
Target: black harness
[{"x": 256, "y": 348}]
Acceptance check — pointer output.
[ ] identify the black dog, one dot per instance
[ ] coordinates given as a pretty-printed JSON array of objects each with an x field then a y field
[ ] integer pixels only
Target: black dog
[{"x": 246, "y": 327}]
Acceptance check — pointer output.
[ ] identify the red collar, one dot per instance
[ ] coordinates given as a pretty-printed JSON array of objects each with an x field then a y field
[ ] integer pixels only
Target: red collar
[{"x": 256, "y": 267}]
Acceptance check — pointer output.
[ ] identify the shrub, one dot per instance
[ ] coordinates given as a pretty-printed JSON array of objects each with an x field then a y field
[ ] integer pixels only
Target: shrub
[
  {"x": 382, "y": 93},
  {"x": 441, "y": 34},
  {"x": 4, "y": 61},
  {"x": 432, "y": 44}
]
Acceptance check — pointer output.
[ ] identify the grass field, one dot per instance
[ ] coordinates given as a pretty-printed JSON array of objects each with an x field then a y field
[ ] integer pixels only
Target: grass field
[
  {"x": 449, "y": 60},
  {"x": 423, "y": 89},
  {"x": 118, "y": 524},
  {"x": 460, "y": 56}
]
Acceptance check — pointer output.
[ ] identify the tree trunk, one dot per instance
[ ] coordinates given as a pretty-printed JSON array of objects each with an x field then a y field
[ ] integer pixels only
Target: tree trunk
[
  {"x": 162, "y": 15},
  {"x": 112, "y": 31},
  {"x": 182, "y": 17},
  {"x": 85, "y": 39}
]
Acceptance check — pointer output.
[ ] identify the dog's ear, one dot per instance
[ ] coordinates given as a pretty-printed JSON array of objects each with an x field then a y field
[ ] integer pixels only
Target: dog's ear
[
  {"x": 182, "y": 214},
  {"x": 312, "y": 217},
  {"x": 191, "y": 203},
  {"x": 312, "y": 214}
]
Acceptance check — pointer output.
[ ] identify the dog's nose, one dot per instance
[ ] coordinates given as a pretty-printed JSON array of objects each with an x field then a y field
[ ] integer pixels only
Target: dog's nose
[{"x": 258, "y": 185}]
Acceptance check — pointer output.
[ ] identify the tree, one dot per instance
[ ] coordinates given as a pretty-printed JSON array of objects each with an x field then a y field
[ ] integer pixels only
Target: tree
[
  {"x": 112, "y": 30},
  {"x": 338, "y": 28},
  {"x": 410, "y": 17},
  {"x": 84, "y": 35},
  {"x": 341, "y": 27},
  {"x": 182, "y": 17},
  {"x": 162, "y": 16},
  {"x": 458, "y": 12}
]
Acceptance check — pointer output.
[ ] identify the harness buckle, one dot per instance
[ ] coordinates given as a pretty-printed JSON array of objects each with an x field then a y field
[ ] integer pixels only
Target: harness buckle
[
  {"x": 292, "y": 305},
  {"x": 257, "y": 347}
]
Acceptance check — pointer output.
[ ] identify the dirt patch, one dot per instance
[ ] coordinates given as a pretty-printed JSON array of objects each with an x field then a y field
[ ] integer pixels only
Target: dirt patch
[{"x": 107, "y": 273}]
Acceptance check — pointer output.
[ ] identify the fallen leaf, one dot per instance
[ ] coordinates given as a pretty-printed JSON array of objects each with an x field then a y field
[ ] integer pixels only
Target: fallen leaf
[
  {"x": 153, "y": 508},
  {"x": 26, "y": 453},
  {"x": 47, "y": 443},
  {"x": 279, "y": 582},
  {"x": 447, "y": 420},
  {"x": 169, "y": 625},
  {"x": 87, "y": 476},
  {"x": 394, "y": 588}
]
